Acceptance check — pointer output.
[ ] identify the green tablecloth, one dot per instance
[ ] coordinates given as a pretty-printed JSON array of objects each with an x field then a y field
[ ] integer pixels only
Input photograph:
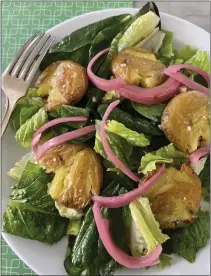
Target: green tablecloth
[{"x": 19, "y": 21}]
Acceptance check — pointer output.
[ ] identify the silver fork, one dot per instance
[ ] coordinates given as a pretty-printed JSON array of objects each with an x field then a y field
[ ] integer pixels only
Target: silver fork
[{"x": 18, "y": 76}]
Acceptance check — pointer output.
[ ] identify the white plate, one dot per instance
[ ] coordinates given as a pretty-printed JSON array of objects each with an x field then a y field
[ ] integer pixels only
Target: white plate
[{"x": 48, "y": 260}]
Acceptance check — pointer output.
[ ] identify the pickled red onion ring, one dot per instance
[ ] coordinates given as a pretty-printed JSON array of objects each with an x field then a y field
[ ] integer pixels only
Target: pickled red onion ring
[
  {"x": 35, "y": 142},
  {"x": 118, "y": 163},
  {"x": 101, "y": 83},
  {"x": 153, "y": 95},
  {"x": 199, "y": 153},
  {"x": 172, "y": 71},
  {"x": 126, "y": 199},
  {"x": 37, "y": 134},
  {"x": 188, "y": 82},
  {"x": 175, "y": 68},
  {"x": 63, "y": 138}
]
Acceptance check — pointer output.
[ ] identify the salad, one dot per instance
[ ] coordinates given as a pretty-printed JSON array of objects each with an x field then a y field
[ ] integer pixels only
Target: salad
[{"x": 118, "y": 125}]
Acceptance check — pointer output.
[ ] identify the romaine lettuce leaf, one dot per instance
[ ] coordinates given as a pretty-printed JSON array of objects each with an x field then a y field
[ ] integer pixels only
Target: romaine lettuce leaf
[
  {"x": 152, "y": 42},
  {"x": 166, "y": 50},
  {"x": 70, "y": 213},
  {"x": 25, "y": 132},
  {"x": 25, "y": 108},
  {"x": 32, "y": 92},
  {"x": 110, "y": 96},
  {"x": 32, "y": 223},
  {"x": 201, "y": 60},
  {"x": 32, "y": 188},
  {"x": 145, "y": 231},
  {"x": 165, "y": 261},
  {"x": 19, "y": 167},
  {"x": 27, "y": 112},
  {"x": 187, "y": 241},
  {"x": 168, "y": 154},
  {"x": 31, "y": 212},
  {"x": 120, "y": 147},
  {"x": 134, "y": 138},
  {"x": 69, "y": 111},
  {"x": 138, "y": 30},
  {"x": 132, "y": 122},
  {"x": 104, "y": 37},
  {"x": 186, "y": 53},
  {"x": 152, "y": 112},
  {"x": 74, "y": 227},
  {"x": 205, "y": 180}
]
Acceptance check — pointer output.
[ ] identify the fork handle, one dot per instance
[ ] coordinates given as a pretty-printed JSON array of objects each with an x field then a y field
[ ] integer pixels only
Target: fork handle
[{"x": 8, "y": 111}]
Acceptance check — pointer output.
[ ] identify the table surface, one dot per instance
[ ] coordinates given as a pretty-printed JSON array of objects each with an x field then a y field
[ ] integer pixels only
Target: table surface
[{"x": 21, "y": 19}]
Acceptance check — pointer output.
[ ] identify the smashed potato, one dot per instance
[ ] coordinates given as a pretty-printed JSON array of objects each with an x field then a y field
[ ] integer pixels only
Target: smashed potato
[
  {"x": 78, "y": 174},
  {"x": 63, "y": 82},
  {"x": 139, "y": 67},
  {"x": 62, "y": 155},
  {"x": 175, "y": 198},
  {"x": 186, "y": 121}
]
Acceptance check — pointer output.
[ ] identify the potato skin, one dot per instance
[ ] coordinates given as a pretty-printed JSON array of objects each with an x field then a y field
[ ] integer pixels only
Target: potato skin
[
  {"x": 64, "y": 82},
  {"x": 175, "y": 197},
  {"x": 139, "y": 67},
  {"x": 78, "y": 174},
  {"x": 83, "y": 180},
  {"x": 186, "y": 121},
  {"x": 62, "y": 155}
]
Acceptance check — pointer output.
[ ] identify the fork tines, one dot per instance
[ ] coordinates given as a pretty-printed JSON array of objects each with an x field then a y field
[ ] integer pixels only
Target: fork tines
[{"x": 27, "y": 60}]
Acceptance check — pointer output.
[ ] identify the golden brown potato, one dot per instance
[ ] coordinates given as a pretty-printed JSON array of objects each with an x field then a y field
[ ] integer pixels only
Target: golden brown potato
[
  {"x": 186, "y": 121},
  {"x": 139, "y": 67},
  {"x": 78, "y": 174},
  {"x": 175, "y": 198},
  {"x": 64, "y": 82},
  {"x": 62, "y": 155}
]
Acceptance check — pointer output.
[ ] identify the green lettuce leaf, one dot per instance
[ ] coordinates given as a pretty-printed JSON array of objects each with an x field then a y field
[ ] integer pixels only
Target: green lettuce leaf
[
  {"x": 19, "y": 167},
  {"x": 32, "y": 188},
  {"x": 134, "y": 138},
  {"x": 104, "y": 38},
  {"x": 138, "y": 30},
  {"x": 152, "y": 42},
  {"x": 85, "y": 35},
  {"x": 110, "y": 96},
  {"x": 145, "y": 233},
  {"x": 166, "y": 50},
  {"x": 74, "y": 227},
  {"x": 32, "y": 223},
  {"x": 152, "y": 112},
  {"x": 31, "y": 212},
  {"x": 186, "y": 53},
  {"x": 168, "y": 154},
  {"x": 27, "y": 112},
  {"x": 187, "y": 241},
  {"x": 71, "y": 111},
  {"x": 205, "y": 180},
  {"x": 76, "y": 46},
  {"x": 26, "y": 107},
  {"x": 201, "y": 60},
  {"x": 165, "y": 261},
  {"x": 25, "y": 132},
  {"x": 120, "y": 147},
  {"x": 70, "y": 213},
  {"x": 132, "y": 122}
]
